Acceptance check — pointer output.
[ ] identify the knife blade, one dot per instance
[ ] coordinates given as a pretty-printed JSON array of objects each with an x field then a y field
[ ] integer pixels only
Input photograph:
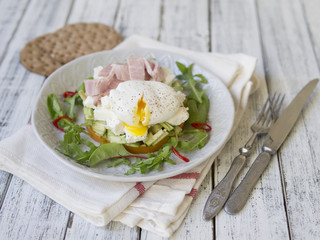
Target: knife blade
[{"x": 276, "y": 136}]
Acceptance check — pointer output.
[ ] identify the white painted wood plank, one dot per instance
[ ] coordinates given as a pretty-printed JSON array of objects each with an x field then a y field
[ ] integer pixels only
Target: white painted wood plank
[
  {"x": 81, "y": 229},
  {"x": 17, "y": 83},
  {"x": 9, "y": 19},
  {"x": 185, "y": 24},
  {"x": 139, "y": 17},
  {"x": 98, "y": 11},
  {"x": 19, "y": 88},
  {"x": 235, "y": 29},
  {"x": 291, "y": 60},
  {"x": 311, "y": 15},
  {"x": 18, "y": 91},
  {"x": 5, "y": 178},
  {"x": 27, "y": 214}
]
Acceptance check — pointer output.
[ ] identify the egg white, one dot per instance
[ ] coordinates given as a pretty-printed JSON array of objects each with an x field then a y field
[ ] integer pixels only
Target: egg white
[
  {"x": 119, "y": 109},
  {"x": 163, "y": 100}
]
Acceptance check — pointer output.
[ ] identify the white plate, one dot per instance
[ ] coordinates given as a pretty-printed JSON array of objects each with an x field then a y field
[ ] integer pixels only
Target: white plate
[{"x": 71, "y": 75}]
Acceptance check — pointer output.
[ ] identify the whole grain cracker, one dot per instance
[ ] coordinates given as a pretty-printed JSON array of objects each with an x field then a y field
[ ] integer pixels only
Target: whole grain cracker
[
  {"x": 46, "y": 53},
  {"x": 82, "y": 39},
  {"x": 37, "y": 59}
]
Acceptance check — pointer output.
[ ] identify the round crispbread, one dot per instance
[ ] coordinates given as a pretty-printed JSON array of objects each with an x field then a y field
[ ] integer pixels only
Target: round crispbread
[
  {"x": 37, "y": 59},
  {"x": 46, "y": 53}
]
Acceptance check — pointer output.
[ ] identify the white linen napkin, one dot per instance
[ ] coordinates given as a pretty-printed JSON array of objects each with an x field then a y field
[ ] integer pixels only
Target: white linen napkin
[{"x": 159, "y": 206}]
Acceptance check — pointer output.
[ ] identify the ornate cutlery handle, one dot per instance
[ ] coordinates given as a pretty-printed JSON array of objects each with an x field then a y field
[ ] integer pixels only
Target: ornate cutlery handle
[
  {"x": 240, "y": 196},
  {"x": 221, "y": 192}
]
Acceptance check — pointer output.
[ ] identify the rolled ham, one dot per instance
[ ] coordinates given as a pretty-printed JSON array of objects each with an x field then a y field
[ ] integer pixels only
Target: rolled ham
[{"x": 137, "y": 68}]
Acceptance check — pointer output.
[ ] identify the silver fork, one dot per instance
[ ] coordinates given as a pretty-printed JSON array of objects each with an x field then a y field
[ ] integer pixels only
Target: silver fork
[{"x": 221, "y": 192}]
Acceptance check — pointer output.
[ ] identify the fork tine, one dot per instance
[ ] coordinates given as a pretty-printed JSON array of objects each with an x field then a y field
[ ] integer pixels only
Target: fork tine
[
  {"x": 266, "y": 116},
  {"x": 262, "y": 112},
  {"x": 274, "y": 108},
  {"x": 279, "y": 105},
  {"x": 276, "y": 105},
  {"x": 273, "y": 103}
]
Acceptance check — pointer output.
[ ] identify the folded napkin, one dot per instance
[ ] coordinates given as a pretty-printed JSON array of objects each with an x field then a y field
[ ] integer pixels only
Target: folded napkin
[{"x": 158, "y": 206}]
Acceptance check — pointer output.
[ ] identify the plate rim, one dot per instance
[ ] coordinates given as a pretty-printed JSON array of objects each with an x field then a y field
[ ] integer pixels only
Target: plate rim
[{"x": 123, "y": 178}]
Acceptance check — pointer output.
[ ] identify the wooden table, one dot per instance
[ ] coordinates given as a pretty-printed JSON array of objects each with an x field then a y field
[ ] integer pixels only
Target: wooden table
[{"x": 283, "y": 34}]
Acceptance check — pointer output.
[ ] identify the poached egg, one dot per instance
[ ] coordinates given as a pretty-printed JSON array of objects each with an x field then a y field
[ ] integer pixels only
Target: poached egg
[{"x": 134, "y": 106}]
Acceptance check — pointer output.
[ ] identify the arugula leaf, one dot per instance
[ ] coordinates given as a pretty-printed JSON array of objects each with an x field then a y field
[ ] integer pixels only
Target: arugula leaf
[
  {"x": 72, "y": 145},
  {"x": 194, "y": 138},
  {"x": 73, "y": 101},
  {"x": 191, "y": 81},
  {"x": 55, "y": 110},
  {"x": 118, "y": 161},
  {"x": 203, "y": 79},
  {"x": 154, "y": 161},
  {"x": 54, "y": 107},
  {"x": 182, "y": 67},
  {"x": 198, "y": 108}
]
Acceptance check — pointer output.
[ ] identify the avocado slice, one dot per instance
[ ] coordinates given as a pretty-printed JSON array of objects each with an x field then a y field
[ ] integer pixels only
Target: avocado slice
[{"x": 99, "y": 127}]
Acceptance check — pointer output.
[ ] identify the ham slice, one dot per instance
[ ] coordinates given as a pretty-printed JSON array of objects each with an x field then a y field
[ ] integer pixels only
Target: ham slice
[
  {"x": 105, "y": 71},
  {"x": 153, "y": 69},
  {"x": 138, "y": 68},
  {"x": 114, "y": 84},
  {"x": 121, "y": 71},
  {"x": 96, "y": 86},
  {"x": 101, "y": 85}
]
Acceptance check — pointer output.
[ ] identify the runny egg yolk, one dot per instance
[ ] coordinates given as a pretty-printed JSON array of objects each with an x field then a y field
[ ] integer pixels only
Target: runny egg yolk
[{"x": 141, "y": 119}]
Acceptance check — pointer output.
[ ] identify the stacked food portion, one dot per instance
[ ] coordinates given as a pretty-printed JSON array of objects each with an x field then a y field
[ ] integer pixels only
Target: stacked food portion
[{"x": 134, "y": 103}]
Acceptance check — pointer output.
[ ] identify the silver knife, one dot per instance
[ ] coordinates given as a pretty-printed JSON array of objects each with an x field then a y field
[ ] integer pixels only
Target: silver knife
[{"x": 276, "y": 136}]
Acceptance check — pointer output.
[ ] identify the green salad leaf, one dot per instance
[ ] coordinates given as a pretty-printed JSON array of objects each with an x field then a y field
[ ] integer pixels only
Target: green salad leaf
[
  {"x": 153, "y": 162},
  {"x": 73, "y": 101},
  {"x": 192, "y": 139},
  {"x": 198, "y": 104},
  {"x": 106, "y": 151},
  {"x": 73, "y": 146},
  {"x": 191, "y": 82},
  {"x": 54, "y": 107},
  {"x": 198, "y": 112},
  {"x": 119, "y": 161},
  {"x": 56, "y": 111}
]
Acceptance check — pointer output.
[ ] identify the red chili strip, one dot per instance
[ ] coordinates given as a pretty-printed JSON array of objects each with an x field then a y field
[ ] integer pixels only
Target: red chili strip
[
  {"x": 55, "y": 122},
  {"x": 175, "y": 151},
  {"x": 203, "y": 126},
  {"x": 69, "y": 94}
]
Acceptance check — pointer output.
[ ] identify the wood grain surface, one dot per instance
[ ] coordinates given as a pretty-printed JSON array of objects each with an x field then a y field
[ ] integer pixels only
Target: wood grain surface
[{"x": 284, "y": 35}]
